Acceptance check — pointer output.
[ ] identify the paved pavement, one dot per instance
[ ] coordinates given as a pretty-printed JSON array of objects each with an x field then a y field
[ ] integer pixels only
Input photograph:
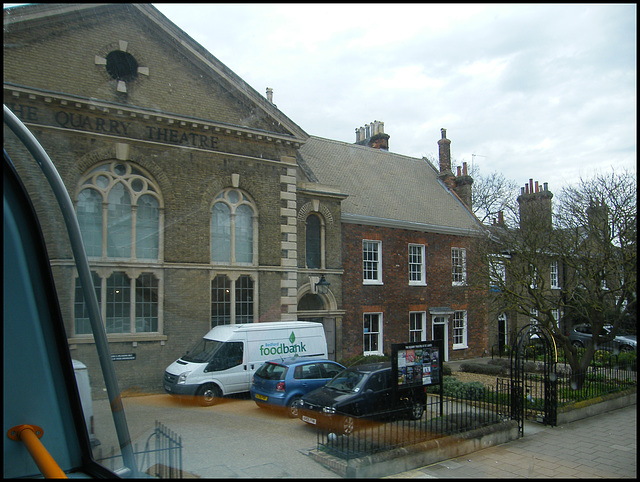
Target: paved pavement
[{"x": 602, "y": 446}]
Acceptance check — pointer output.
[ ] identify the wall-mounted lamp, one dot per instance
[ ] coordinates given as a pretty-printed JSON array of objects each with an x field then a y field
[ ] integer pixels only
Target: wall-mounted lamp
[{"x": 322, "y": 286}]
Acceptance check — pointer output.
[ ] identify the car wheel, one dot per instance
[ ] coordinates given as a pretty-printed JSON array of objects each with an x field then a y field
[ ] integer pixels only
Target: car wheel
[
  {"x": 292, "y": 407},
  {"x": 577, "y": 344},
  {"x": 348, "y": 425},
  {"x": 417, "y": 409},
  {"x": 208, "y": 395},
  {"x": 626, "y": 348}
]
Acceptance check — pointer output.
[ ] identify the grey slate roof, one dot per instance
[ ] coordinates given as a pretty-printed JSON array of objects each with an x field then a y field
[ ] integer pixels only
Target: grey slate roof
[{"x": 386, "y": 189}]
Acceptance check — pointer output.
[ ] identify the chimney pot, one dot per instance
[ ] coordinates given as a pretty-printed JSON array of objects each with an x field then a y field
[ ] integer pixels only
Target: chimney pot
[
  {"x": 546, "y": 186},
  {"x": 459, "y": 172},
  {"x": 464, "y": 168},
  {"x": 270, "y": 94},
  {"x": 531, "y": 186}
]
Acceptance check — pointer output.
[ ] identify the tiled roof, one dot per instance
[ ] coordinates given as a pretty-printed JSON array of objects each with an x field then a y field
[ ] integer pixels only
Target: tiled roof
[{"x": 385, "y": 188}]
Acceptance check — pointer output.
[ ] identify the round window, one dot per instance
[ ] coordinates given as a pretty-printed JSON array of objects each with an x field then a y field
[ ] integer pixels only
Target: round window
[{"x": 122, "y": 66}]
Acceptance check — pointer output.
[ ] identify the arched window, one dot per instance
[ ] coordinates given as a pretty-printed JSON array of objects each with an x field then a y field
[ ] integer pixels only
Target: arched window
[
  {"x": 119, "y": 212},
  {"x": 90, "y": 221},
  {"x": 233, "y": 228},
  {"x": 314, "y": 242},
  {"x": 147, "y": 227}
]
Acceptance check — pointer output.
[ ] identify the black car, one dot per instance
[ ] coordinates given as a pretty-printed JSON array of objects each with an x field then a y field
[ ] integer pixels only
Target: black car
[{"x": 363, "y": 391}]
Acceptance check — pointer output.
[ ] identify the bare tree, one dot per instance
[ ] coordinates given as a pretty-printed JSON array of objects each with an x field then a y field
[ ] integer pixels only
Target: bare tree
[
  {"x": 592, "y": 243},
  {"x": 492, "y": 194}
]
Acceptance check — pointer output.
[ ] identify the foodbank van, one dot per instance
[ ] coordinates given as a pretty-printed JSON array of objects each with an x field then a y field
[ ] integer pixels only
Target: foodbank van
[{"x": 225, "y": 359}]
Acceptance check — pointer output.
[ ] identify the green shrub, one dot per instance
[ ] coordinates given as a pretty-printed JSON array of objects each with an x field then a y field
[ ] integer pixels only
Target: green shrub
[
  {"x": 484, "y": 368},
  {"x": 474, "y": 391},
  {"x": 452, "y": 387},
  {"x": 629, "y": 359}
]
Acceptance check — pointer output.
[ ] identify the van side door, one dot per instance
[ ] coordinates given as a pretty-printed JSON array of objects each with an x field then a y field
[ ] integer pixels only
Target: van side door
[{"x": 229, "y": 369}]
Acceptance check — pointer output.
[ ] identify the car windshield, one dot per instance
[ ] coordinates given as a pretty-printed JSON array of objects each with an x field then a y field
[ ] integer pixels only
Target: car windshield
[
  {"x": 272, "y": 371},
  {"x": 346, "y": 381},
  {"x": 203, "y": 351}
]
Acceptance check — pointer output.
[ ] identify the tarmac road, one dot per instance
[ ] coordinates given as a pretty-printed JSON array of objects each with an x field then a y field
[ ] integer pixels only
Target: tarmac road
[{"x": 232, "y": 439}]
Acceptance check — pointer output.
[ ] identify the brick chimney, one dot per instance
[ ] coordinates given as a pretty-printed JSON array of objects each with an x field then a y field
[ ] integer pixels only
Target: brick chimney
[
  {"x": 463, "y": 183},
  {"x": 598, "y": 219},
  {"x": 444, "y": 151},
  {"x": 373, "y": 135},
  {"x": 535, "y": 207}
]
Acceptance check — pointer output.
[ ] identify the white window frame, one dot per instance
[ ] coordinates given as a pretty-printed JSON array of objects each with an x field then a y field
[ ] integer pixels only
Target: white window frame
[
  {"x": 417, "y": 250},
  {"x": 533, "y": 318},
  {"x": 458, "y": 260},
  {"x": 497, "y": 272},
  {"x": 100, "y": 278},
  {"x": 377, "y": 334},
  {"x": 534, "y": 276},
  {"x": 557, "y": 314},
  {"x": 422, "y": 315},
  {"x": 554, "y": 275},
  {"x": 378, "y": 263},
  {"x": 459, "y": 316}
]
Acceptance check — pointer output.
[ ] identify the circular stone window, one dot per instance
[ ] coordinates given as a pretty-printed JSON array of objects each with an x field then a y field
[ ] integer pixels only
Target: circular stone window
[{"x": 122, "y": 66}]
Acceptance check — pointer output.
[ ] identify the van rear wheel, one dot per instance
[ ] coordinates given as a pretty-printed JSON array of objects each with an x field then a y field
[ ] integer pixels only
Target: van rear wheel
[{"x": 208, "y": 395}]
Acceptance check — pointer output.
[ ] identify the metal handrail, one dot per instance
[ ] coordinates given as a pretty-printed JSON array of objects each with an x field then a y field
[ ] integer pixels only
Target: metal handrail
[
  {"x": 84, "y": 273},
  {"x": 30, "y": 435}
]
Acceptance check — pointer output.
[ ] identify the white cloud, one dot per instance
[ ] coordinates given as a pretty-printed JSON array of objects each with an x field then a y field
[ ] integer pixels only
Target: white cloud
[{"x": 543, "y": 91}]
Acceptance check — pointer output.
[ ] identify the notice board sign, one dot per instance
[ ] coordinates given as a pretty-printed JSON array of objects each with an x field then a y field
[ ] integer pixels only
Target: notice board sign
[
  {"x": 417, "y": 364},
  {"x": 123, "y": 356}
]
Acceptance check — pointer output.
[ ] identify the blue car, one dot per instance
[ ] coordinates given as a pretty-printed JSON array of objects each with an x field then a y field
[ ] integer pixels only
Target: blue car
[{"x": 281, "y": 383}]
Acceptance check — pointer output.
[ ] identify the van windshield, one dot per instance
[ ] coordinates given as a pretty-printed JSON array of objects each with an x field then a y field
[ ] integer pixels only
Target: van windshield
[{"x": 203, "y": 351}]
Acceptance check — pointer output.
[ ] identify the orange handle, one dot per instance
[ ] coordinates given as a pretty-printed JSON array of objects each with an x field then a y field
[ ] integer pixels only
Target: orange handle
[{"x": 30, "y": 435}]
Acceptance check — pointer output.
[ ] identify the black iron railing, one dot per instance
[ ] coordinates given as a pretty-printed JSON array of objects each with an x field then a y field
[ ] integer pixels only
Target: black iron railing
[
  {"x": 161, "y": 456},
  {"x": 384, "y": 431}
]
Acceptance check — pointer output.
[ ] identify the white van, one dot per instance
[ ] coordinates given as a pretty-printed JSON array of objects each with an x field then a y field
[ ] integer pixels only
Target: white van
[{"x": 224, "y": 361}]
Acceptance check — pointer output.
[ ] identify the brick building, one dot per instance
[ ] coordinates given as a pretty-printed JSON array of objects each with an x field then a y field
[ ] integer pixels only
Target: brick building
[
  {"x": 201, "y": 203},
  {"x": 408, "y": 240},
  {"x": 510, "y": 269}
]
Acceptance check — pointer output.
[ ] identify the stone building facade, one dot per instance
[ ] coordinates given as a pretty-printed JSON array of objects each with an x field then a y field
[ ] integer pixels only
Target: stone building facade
[{"x": 184, "y": 178}]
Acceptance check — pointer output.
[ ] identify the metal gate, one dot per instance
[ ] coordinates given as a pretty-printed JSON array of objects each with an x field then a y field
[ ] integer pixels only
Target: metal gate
[{"x": 534, "y": 395}]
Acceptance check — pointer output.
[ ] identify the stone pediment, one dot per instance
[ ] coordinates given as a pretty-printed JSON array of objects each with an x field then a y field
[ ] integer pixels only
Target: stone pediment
[{"x": 130, "y": 60}]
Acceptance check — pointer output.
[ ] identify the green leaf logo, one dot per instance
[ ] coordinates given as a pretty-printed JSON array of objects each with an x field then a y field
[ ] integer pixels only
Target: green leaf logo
[{"x": 292, "y": 338}]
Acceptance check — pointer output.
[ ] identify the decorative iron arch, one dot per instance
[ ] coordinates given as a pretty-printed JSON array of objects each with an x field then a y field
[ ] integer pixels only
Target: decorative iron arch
[{"x": 522, "y": 401}]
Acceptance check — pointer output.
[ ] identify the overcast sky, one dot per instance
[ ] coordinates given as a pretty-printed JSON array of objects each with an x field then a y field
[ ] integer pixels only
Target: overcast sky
[{"x": 535, "y": 91}]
